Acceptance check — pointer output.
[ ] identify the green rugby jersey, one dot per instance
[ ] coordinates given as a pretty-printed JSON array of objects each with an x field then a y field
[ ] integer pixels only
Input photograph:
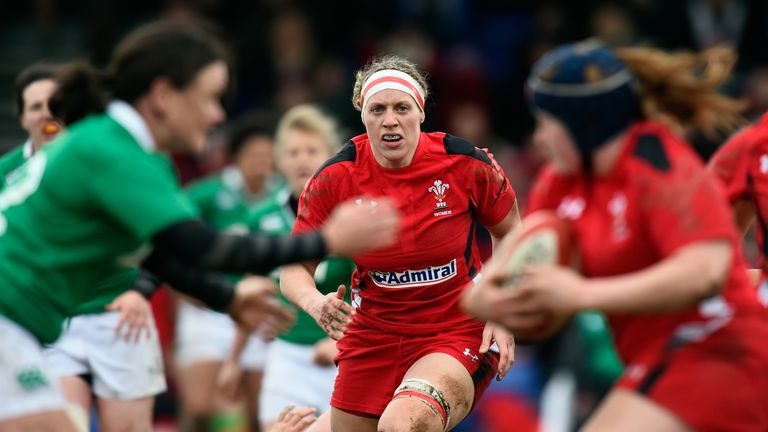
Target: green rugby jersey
[
  {"x": 224, "y": 200},
  {"x": 76, "y": 215},
  {"x": 275, "y": 216}
]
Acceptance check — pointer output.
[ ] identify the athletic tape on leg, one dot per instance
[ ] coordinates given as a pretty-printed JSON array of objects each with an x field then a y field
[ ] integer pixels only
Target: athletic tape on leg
[
  {"x": 425, "y": 392},
  {"x": 79, "y": 417}
]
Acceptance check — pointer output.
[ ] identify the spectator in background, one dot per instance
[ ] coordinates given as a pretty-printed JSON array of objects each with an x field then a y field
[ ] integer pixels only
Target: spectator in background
[
  {"x": 204, "y": 338},
  {"x": 34, "y": 86},
  {"x": 612, "y": 24}
]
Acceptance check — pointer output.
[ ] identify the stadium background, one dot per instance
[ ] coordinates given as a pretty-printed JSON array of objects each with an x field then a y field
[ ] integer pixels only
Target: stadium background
[{"x": 477, "y": 54}]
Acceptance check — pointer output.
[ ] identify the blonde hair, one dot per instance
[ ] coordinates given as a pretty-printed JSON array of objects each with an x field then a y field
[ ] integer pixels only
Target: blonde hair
[
  {"x": 386, "y": 62},
  {"x": 307, "y": 118},
  {"x": 681, "y": 88}
]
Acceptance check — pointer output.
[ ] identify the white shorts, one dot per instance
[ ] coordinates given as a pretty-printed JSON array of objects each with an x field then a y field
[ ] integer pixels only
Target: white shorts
[
  {"x": 292, "y": 377},
  {"x": 26, "y": 385},
  {"x": 205, "y": 335},
  {"x": 121, "y": 370}
]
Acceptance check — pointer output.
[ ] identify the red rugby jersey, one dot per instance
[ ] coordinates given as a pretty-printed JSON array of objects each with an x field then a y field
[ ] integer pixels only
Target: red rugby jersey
[
  {"x": 742, "y": 165},
  {"x": 413, "y": 287},
  {"x": 657, "y": 198}
]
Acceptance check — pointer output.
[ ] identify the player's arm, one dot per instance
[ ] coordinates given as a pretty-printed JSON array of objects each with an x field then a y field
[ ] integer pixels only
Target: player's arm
[
  {"x": 510, "y": 221},
  {"x": 349, "y": 230},
  {"x": 197, "y": 245},
  {"x": 297, "y": 284},
  {"x": 330, "y": 311},
  {"x": 730, "y": 165},
  {"x": 693, "y": 273},
  {"x": 492, "y": 196}
]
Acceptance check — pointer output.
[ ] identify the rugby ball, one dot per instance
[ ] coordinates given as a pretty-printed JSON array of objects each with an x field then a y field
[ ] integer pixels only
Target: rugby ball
[{"x": 541, "y": 238}]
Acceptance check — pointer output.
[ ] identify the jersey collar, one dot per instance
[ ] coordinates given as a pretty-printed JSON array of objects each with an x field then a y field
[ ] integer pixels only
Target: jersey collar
[
  {"x": 233, "y": 178},
  {"x": 27, "y": 149},
  {"x": 126, "y": 116}
]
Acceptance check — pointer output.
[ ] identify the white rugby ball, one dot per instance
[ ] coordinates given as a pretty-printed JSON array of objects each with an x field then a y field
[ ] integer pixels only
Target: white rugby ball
[{"x": 541, "y": 238}]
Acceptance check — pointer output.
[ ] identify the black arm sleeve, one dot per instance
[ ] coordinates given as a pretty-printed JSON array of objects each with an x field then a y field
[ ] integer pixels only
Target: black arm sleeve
[
  {"x": 213, "y": 289},
  {"x": 146, "y": 284},
  {"x": 197, "y": 245}
]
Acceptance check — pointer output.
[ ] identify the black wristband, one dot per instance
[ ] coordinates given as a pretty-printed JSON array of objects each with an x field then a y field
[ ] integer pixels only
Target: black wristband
[{"x": 146, "y": 284}]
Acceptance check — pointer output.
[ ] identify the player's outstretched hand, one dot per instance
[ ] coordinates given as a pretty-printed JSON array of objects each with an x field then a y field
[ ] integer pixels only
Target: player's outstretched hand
[
  {"x": 293, "y": 419},
  {"x": 506, "y": 344},
  {"x": 360, "y": 225},
  {"x": 332, "y": 313},
  {"x": 256, "y": 305},
  {"x": 134, "y": 315}
]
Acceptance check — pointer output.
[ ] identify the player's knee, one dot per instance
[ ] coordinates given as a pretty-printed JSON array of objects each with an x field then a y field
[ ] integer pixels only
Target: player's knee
[
  {"x": 416, "y": 406},
  {"x": 410, "y": 421}
]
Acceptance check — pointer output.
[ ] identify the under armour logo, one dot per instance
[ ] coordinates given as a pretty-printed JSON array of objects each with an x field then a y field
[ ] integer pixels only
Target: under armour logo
[
  {"x": 469, "y": 354},
  {"x": 764, "y": 164}
]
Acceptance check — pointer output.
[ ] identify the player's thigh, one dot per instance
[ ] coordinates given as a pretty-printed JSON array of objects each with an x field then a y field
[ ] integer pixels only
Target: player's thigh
[
  {"x": 29, "y": 393},
  {"x": 77, "y": 391},
  {"x": 252, "y": 385},
  {"x": 322, "y": 424},
  {"x": 125, "y": 415},
  {"x": 197, "y": 384},
  {"x": 53, "y": 421},
  {"x": 450, "y": 378},
  {"x": 627, "y": 411},
  {"x": 342, "y": 421}
]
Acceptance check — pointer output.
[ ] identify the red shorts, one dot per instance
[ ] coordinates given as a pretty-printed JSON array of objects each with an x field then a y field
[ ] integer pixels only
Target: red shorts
[
  {"x": 372, "y": 365},
  {"x": 719, "y": 384}
]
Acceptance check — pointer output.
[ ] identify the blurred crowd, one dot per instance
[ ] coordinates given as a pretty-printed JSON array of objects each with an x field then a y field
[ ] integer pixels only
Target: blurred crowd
[{"x": 478, "y": 54}]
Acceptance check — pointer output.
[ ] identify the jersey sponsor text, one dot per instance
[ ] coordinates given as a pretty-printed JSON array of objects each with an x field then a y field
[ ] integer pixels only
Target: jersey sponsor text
[{"x": 413, "y": 278}]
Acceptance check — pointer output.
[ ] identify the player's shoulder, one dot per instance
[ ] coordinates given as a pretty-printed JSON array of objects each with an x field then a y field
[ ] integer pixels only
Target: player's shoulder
[
  {"x": 346, "y": 157},
  {"x": 662, "y": 163},
  {"x": 102, "y": 140},
  {"x": 452, "y": 145},
  {"x": 750, "y": 138},
  {"x": 655, "y": 149}
]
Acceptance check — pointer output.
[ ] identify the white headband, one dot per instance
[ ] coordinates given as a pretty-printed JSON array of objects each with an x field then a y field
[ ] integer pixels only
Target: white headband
[{"x": 391, "y": 79}]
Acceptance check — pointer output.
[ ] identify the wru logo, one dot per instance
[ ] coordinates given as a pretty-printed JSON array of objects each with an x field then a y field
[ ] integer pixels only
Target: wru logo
[{"x": 439, "y": 189}]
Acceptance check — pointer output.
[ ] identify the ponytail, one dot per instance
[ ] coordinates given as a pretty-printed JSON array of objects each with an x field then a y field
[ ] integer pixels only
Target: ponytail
[
  {"x": 80, "y": 93},
  {"x": 682, "y": 88}
]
